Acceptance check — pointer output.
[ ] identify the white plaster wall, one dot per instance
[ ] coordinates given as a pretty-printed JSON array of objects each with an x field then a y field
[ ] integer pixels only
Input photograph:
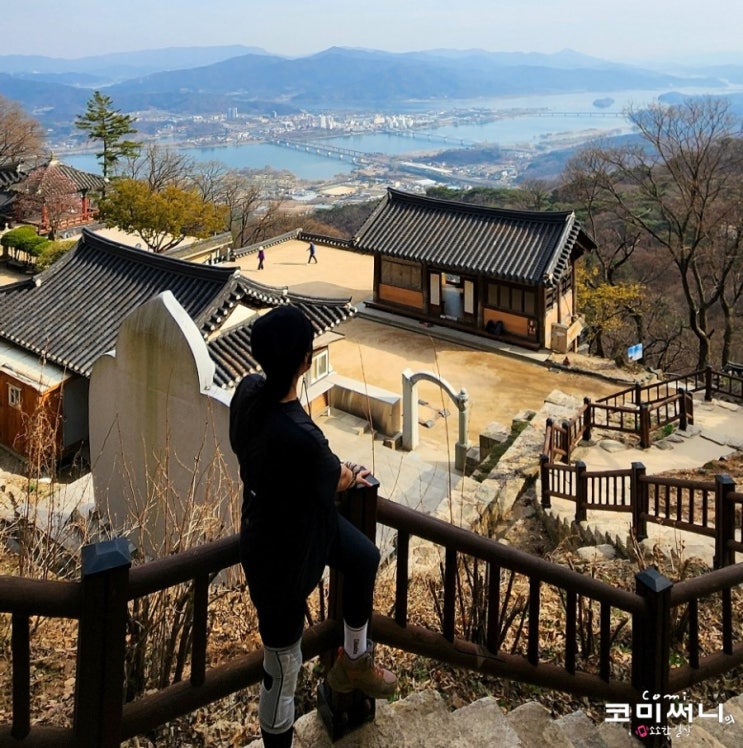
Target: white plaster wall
[{"x": 163, "y": 470}]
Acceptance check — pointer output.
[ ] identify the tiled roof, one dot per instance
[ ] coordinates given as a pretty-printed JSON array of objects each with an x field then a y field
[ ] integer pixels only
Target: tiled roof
[
  {"x": 56, "y": 178},
  {"x": 521, "y": 246},
  {"x": 84, "y": 180},
  {"x": 70, "y": 314},
  {"x": 231, "y": 350},
  {"x": 10, "y": 174}
]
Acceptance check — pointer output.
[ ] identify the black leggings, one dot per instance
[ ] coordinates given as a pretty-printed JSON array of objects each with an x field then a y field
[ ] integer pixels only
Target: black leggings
[{"x": 282, "y": 620}]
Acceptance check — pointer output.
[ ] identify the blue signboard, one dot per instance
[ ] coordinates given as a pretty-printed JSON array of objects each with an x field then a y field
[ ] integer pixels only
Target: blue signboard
[{"x": 634, "y": 352}]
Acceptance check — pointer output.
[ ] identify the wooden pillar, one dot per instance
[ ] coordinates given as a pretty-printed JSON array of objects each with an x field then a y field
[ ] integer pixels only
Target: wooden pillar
[
  {"x": 724, "y": 521},
  {"x": 644, "y": 426},
  {"x": 581, "y": 492},
  {"x": 708, "y": 384},
  {"x": 639, "y": 501},
  {"x": 341, "y": 712},
  {"x": 651, "y": 646},
  {"x": 99, "y": 693},
  {"x": 587, "y": 419},
  {"x": 544, "y": 475}
]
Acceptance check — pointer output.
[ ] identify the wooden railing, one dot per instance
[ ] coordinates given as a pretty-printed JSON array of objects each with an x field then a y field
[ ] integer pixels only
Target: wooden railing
[
  {"x": 638, "y": 621},
  {"x": 640, "y": 410},
  {"x": 710, "y": 509}
]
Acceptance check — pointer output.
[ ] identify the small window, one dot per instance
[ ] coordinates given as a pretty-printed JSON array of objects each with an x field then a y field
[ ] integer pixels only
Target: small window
[
  {"x": 320, "y": 366},
  {"x": 14, "y": 396}
]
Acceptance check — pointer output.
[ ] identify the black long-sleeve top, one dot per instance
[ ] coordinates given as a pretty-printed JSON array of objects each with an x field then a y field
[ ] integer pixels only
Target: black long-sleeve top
[{"x": 290, "y": 477}]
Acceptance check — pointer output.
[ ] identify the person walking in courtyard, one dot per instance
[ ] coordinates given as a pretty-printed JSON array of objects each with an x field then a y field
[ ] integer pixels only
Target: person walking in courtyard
[
  {"x": 313, "y": 253},
  {"x": 290, "y": 527},
  {"x": 261, "y": 257}
]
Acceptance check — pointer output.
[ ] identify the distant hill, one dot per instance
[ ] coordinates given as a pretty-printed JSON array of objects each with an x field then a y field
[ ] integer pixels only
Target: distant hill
[
  {"x": 357, "y": 77},
  {"x": 197, "y": 80},
  {"x": 118, "y": 66}
]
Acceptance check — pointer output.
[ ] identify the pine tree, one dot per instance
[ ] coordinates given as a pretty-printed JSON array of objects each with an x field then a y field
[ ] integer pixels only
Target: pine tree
[{"x": 106, "y": 124}]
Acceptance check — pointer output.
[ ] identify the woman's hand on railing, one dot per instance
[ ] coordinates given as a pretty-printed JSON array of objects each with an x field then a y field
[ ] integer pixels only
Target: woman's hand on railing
[{"x": 352, "y": 475}]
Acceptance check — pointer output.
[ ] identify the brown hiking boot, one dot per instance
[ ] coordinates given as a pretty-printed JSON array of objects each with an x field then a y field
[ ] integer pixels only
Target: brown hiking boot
[{"x": 361, "y": 674}]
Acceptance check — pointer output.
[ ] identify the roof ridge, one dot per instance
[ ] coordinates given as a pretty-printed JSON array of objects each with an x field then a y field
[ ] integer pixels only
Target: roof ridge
[
  {"x": 144, "y": 257},
  {"x": 551, "y": 216}
]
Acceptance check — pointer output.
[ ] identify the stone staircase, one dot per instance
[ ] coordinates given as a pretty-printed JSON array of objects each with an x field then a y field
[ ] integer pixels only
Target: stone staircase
[
  {"x": 423, "y": 719},
  {"x": 717, "y": 433}
]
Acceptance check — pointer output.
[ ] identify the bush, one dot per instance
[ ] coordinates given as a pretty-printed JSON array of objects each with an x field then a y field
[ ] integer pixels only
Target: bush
[
  {"x": 52, "y": 252},
  {"x": 15, "y": 237},
  {"x": 25, "y": 239}
]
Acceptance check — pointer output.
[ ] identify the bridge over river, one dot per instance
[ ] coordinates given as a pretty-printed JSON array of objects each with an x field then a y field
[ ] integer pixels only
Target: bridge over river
[{"x": 331, "y": 151}]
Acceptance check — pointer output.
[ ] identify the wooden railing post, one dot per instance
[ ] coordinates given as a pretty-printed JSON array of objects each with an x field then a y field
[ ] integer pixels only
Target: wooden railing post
[
  {"x": 544, "y": 477},
  {"x": 689, "y": 397},
  {"x": 587, "y": 419},
  {"x": 683, "y": 423},
  {"x": 341, "y": 712},
  {"x": 651, "y": 647},
  {"x": 639, "y": 501},
  {"x": 644, "y": 426},
  {"x": 581, "y": 491},
  {"x": 549, "y": 440},
  {"x": 359, "y": 507},
  {"x": 637, "y": 394},
  {"x": 708, "y": 384},
  {"x": 567, "y": 436},
  {"x": 99, "y": 684},
  {"x": 724, "y": 521}
]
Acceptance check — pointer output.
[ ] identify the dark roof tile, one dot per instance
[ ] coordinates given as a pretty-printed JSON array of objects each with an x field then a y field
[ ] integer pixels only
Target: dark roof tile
[
  {"x": 521, "y": 246},
  {"x": 71, "y": 313}
]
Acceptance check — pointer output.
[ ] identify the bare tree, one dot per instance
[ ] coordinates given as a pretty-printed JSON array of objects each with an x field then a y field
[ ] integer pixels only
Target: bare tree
[
  {"x": 676, "y": 187},
  {"x": 21, "y": 136},
  {"x": 254, "y": 216},
  {"x": 160, "y": 167},
  {"x": 208, "y": 178},
  {"x": 534, "y": 194}
]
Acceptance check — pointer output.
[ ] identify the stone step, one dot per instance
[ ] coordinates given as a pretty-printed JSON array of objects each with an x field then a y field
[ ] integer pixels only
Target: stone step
[{"x": 422, "y": 720}]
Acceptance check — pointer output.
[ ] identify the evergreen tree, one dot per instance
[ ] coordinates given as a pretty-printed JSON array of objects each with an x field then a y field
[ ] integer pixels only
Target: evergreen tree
[{"x": 104, "y": 123}]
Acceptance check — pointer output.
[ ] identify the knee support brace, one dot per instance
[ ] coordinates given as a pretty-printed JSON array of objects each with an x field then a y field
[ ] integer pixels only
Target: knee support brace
[{"x": 276, "y": 705}]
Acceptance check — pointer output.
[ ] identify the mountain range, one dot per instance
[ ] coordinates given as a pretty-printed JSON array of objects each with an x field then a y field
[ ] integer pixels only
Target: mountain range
[{"x": 211, "y": 79}]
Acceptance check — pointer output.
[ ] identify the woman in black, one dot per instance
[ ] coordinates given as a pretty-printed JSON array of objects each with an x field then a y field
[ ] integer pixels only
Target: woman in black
[{"x": 290, "y": 529}]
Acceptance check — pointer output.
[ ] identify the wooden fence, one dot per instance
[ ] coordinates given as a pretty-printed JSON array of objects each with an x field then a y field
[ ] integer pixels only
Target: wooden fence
[
  {"x": 709, "y": 508},
  {"x": 99, "y": 602},
  {"x": 641, "y": 410}
]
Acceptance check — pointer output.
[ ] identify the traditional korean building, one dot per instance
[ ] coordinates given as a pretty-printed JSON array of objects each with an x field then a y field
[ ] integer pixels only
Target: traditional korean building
[
  {"x": 53, "y": 197},
  {"x": 54, "y": 326},
  {"x": 505, "y": 274}
]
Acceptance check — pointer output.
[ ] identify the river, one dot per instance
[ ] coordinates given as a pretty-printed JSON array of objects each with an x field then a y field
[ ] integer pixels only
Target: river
[{"x": 554, "y": 115}]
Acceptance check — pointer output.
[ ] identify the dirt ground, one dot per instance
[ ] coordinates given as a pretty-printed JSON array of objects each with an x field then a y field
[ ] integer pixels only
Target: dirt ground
[
  {"x": 10, "y": 276},
  {"x": 499, "y": 386}
]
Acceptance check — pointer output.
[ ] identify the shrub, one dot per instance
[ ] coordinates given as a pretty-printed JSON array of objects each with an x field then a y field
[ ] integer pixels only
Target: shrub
[{"x": 24, "y": 239}]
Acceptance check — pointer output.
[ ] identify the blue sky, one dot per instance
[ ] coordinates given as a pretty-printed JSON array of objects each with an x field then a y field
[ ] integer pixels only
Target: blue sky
[{"x": 632, "y": 30}]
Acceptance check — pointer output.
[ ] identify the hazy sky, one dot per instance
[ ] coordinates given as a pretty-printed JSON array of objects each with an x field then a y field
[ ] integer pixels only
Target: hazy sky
[{"x": 629, "y": 30}]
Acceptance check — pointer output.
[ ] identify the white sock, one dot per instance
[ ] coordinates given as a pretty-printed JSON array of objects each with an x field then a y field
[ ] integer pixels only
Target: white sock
[{"x": 354, "y": 641}]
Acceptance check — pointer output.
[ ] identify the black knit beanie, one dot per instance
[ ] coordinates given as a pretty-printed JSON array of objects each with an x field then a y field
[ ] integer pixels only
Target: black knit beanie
[{"x": 280, "y": 340}]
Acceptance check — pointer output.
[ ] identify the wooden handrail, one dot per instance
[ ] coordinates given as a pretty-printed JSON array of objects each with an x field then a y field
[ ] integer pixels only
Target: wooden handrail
[
  {"x": 447, "y": 645},
  {"x": 182, "y": 567},
  {"x": 442, "y": 533},
  {"x": 39, "y": 597}
]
